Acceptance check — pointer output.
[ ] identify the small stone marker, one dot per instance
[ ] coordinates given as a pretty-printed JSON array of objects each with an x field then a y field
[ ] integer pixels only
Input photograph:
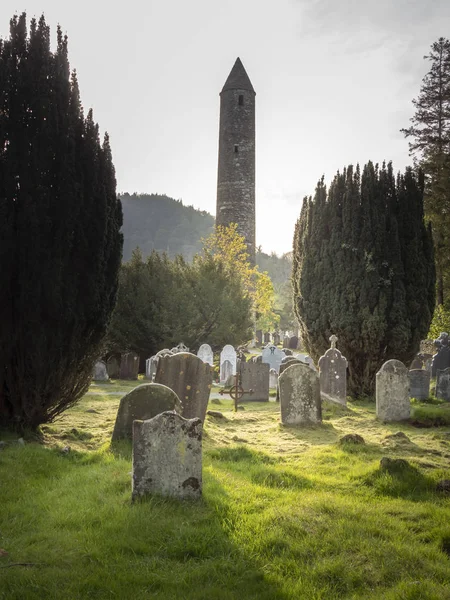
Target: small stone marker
[
  {"x": 167, "y": 456},
  {"x": 273, "y": 379},
  {"x": 129, "y": 366},
  {"x": 419, "y": 383},
  {"x": 333, "y": 373},
  {"x": 100, "y": 371},
  {"x": 273, "y": 356},
  {"x": 144, "y": 402},
  {"x": 255, "y": 377},
  {"x": 443, "y": 384},
  {"x": 299, "y": 392},
  {"x": 228, "y": 354},
  {"x": 113, "y": 367},
  {"x": 392, "y": 392},
  {"x": 205, "y": 353},
  {"x": 190, "y": 378}
]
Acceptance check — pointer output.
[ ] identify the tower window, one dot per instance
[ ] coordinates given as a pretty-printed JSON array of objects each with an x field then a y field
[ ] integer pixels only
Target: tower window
[
  {"x": 241, "y": 100},
  {"x": 236, "y": 148}
]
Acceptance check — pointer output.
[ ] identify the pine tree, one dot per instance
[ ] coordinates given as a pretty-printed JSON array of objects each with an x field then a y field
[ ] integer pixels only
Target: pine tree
[
  {"x": 430, "y": 135},
  {"x": 363, "y": 269},
  {"x": 60, "y": 245}
]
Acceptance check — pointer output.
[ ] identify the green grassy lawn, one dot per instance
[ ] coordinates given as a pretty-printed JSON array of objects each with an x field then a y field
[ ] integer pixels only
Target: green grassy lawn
[{"x": 287, "y": 512}]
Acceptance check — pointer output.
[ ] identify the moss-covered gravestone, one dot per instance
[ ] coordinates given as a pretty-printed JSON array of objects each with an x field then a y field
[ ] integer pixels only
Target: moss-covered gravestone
[
  {"x": 392, "y": 392},
  {"x": 190, "y": 378},
  {"x": 144, "y": 402},
  {"x": 299, "y": 392},
  {"x": 167, "y": 456}
]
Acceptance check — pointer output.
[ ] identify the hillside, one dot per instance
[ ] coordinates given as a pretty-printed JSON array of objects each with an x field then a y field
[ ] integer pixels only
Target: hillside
[{"x": 157, "y": 222}]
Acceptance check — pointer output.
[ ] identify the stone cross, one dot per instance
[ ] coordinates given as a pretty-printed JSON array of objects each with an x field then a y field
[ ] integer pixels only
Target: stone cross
[{"x": 333, "y": 340}]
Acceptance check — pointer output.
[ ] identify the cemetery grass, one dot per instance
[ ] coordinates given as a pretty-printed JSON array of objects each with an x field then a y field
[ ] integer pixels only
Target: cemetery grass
[{"x": 287, "y": 512}]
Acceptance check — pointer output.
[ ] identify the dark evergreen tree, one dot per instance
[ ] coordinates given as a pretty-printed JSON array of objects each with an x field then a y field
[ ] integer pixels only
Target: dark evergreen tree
[
  {"x": 60, "y": 245},
  {"x": 363, "y": 269},
  {"x": 430, "y": 145}
]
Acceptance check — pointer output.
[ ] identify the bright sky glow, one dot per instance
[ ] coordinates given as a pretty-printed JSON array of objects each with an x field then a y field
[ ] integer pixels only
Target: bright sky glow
[{"x": 334, "y": 82}]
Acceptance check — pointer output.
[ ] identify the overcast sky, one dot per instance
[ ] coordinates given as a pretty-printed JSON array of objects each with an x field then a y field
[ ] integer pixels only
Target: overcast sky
[{"x": 334, "y": 80}]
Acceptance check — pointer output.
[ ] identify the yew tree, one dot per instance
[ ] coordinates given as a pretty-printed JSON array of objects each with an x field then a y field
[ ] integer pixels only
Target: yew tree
[{"x": 60, "y": 241}]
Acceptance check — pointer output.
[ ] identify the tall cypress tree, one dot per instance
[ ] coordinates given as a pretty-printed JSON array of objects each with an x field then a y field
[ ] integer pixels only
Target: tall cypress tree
[
  {"x": 363, "y": 269},
  {"x": 60, "y": 245}
]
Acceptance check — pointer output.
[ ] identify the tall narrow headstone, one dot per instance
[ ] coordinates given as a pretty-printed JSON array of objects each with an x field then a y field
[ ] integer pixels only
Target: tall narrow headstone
[
  {"x": 167, "y": 456},
  {"x": 443, "y": 384},
  {"x": 226, "y": 372},
  {"x": 228, "y": 354},
  {"x": 273, "y": 379},
  {"x": 150, "y": 367},
  {"x": 144, "y": 402},
  {"x": 419, "y": 383},
  {"x": 190, "y": 378},
  {"x": 276, "y": 338},
  {"x": 299, "y": 392},
  {"x": 293, "y": 342},
  {"x": 259, "y": 337},
  {"x": 392, "y": 392},
  {"x": 333, "y": 373},
  {"x": 267, "y": 338},
  {"x": 100, "y": 371},
  {"x": 113, "y": 367},
  {"x": 441, "y": 360},
  {"x": 205, "y": 353}
]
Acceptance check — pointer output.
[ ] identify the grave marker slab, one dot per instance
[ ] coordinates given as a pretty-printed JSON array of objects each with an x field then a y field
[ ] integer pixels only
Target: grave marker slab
[
  {"x": 299, "y": 392},
  {"x": 255, "y": 377},
  {"x": 333, "y": 373},
  {"x": 129, "y": 366},
  {"x": 167, "y": 456},
  {"x": 205, "y": 353},
  {"x": 100, "y": 371},
  {"x": 443, "y": 384},
  {"x": 392, "y": 392},
  {"x": 419, "y": 383},
  {"x": 272, "y": 356},
  {"x": 228, "y": 354}
]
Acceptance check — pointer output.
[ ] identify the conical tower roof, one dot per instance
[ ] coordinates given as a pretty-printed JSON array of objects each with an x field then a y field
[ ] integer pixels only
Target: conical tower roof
[{"x": 238, "y": 78}]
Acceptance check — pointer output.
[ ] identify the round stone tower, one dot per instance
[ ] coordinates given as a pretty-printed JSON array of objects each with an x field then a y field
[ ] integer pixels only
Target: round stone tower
[{"x": 236, "y": 173}]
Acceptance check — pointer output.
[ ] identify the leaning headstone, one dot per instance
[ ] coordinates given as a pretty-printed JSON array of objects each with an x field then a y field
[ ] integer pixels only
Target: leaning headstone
[
  {"x": 226, "y": 372},
  {"x": 144, "y": 402},
  {"x": 333, "y": 373},
  {"x": 100, "y": 371},
  {"x": 255, "y": 377},
  {"x": 113, "y": 367},
  {"x": 419, "y": 384},
  {"x": 273, "y": 379},
  {"x": 129, "y": 366},
  {"x": 443, "y": 384},
  {"x": 272, "y": 356},
  {"x": 205, "y": 353},
  {"x": 228, "y": 354},
  {"x": 392, "y": 392},
  {"x": 167, "y": 456},
  {"x": 299, "y": 395},
  {"x": 190, "y": 378},
  {"x": 441, "y": 360}
]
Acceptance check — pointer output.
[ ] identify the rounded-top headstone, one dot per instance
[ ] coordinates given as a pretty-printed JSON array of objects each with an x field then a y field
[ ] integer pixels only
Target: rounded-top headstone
[
  {"x": 144, "y": 402},
  {"x": 299, "y": 393},
  {"x": 100, "y": 371},
  {"x": 190, "y": 378},
  {"x": 392, "y": 392}
]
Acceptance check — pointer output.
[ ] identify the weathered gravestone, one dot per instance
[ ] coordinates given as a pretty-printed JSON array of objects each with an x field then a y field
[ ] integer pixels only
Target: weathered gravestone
[
  {"x": 205, "y": 353},
  {"x": 255, "y": 377},
  {"x": 113, "y": 367},
  {"x": 100, "y": 371},
  {"x": 333, "y": 373},
  {"x": 273, "y": 379},
  {"x": 272, "y": 356},
  {"x": 299, "y": 395},
  {"x": 276, "y": 338},
  {"x": 441, "y": 360},
  {"x": 285, "y": 363},
  {"x": 144, "y": 402},
  {"x": 293, "y": 342},
  {"x": 392, "y": 392},
  {"x": 419, "y": 383},
  {"x": 443, "y": 384},
  {"x": 167, "y": 456},
  {"x": 150, "y": 367},
  {"x": 228, "y": 354},
  {"x": 417, "y": 363},
  {"x": 266, "y": 338},
  {"x": 259, "y": 337},
  {"x": 286, "y": 339},
  {"x": 190, "y": 378},
  {"x": 129, "y": 366}
]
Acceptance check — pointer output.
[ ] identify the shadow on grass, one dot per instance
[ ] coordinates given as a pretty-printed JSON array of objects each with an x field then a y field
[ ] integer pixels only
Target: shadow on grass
[
  {"x": 317, "y": 434},
  {"x": 400, "y": 480}
]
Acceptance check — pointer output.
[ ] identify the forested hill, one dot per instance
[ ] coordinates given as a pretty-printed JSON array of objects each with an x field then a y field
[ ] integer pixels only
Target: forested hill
[{"x": 157, "y": 222}]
